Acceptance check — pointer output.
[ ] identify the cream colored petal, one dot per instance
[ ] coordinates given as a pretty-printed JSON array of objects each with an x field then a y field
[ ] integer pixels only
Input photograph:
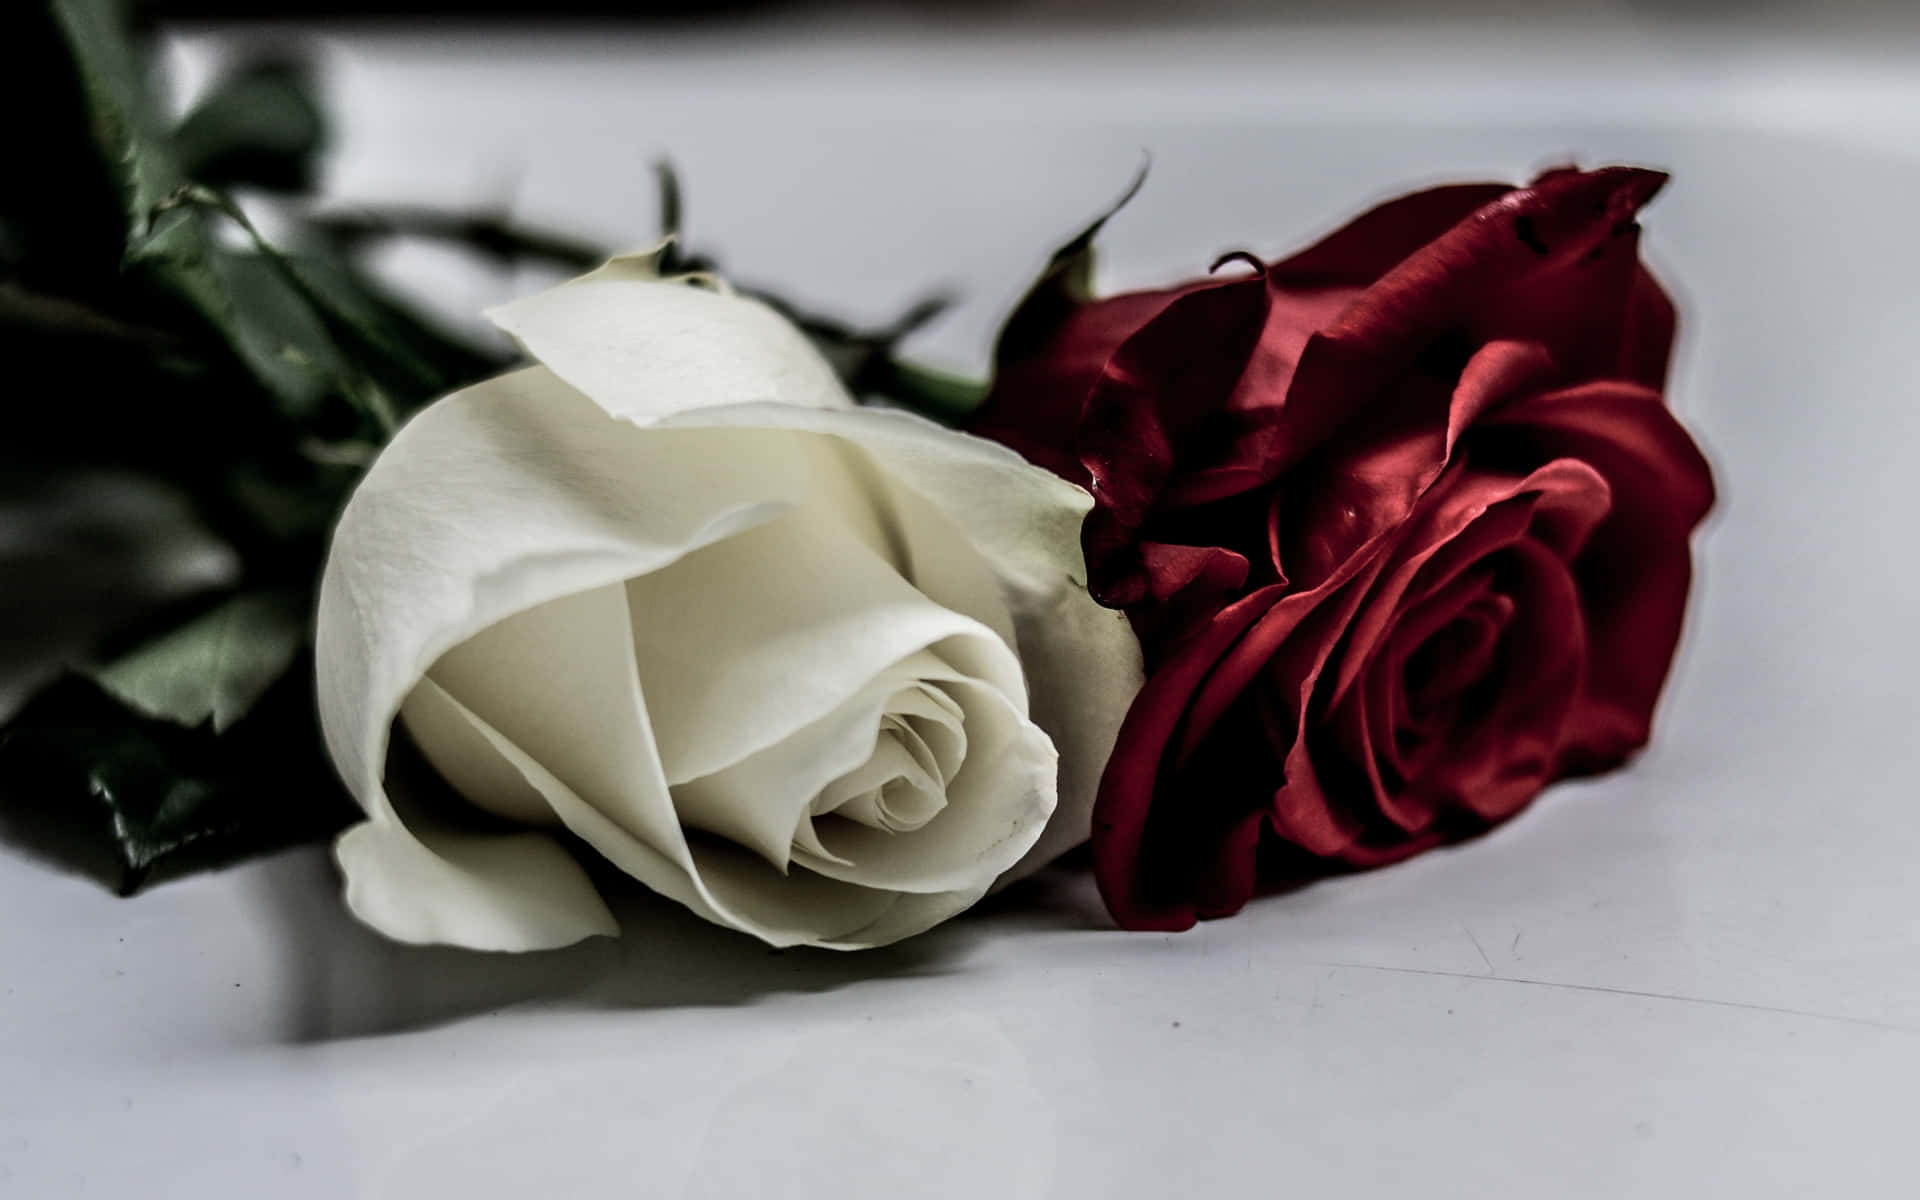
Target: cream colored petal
[
  {"x": 908, "y": 915},
  {"x": 1024, "y": 521},
  {"x": 659, "y": 351},
  {"x": 937, "y": 726},
  {"x": 756, "y": 637},
  {"x": 729, "y": 885},
  {"x": 892, "y": 791},
  {"x": 485, "y": 892},
  {"x": 995, "y": 809},
  {"x": 807, "y": 842},
  {"x": 1081, "y": 661},
  {"x": 607, "y": 836},
  {"x": 456, "y": 748},
  {"x": 1083, "y": 671},
  {"x": 638, "y": 265},
  {"x": 800, "y": 908},
  {"x": 647, "y": 349},
  {"x": 558, "y": 681},
  {"x": 488, "y": 503},
  {"x": 759, "y": 801}
]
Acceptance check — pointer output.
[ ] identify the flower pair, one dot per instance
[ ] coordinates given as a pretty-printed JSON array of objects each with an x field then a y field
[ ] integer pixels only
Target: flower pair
[{"x": 1374, "y": 542}]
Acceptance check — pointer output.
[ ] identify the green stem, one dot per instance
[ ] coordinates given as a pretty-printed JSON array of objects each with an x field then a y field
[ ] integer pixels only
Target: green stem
[{"x": 488, "y": 234}]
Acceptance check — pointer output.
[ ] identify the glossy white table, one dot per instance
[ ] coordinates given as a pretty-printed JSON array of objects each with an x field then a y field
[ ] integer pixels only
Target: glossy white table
[{"x": 1700, "y": 977}]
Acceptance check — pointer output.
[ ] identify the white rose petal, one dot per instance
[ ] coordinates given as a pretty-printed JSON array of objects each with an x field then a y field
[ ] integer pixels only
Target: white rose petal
[{"x": 790, "y": 662}]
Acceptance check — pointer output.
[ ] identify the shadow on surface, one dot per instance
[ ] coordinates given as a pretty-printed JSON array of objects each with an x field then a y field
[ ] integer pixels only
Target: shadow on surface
[{"x": 344, "y": 980}]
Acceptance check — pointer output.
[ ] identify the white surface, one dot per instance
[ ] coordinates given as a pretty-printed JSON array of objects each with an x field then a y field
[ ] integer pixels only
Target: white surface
[{"x": 1700, "y": 977}]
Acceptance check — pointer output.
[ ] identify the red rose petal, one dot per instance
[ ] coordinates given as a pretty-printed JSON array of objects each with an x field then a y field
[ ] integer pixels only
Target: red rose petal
[
  {"x": 1040, "y": 392},
  {"x": 1160, "y": 385},
  {"x": 1379, "y": 239},
  {"x": 1128, "y": 787},
  {"x": 1529, "y": 244},
  {"x": 1506, "y": 755},
  {"x": 1634, "y": 571}
]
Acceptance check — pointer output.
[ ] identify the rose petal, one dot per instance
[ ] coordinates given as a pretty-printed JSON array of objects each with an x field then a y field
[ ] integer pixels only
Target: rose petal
[
  {"x": 1498, "y": 373},
  {"x": 645, "y": 349},
  {"x": 1499, "y": 762},
  {"x": 1379, "y": 239},
  {"x": 558, "y": 681},
  {"x": 663, "y": 352},
  {"x": 1530, "y": 266},
  {"x": 1370, "y": 738},
  {"x": 1634, "y": 571},
  {"x": 430, "y": 542},
  {"x": 1465, "y": 516},
  {"x": 487, "y": 892},
  {"x": 1165, "y": 383},
  {"x": 1083, "y": 671},
  {"x": 1004, "y": 789},
  {"x": 497, "y": 499},
  {"x": 1043, "y": 376},
  {"x": 1129, "y": 786},
  {"x": 1082, "y": 661},
  {"x": 765, "y": 633},
  {"x": 759, "y": 800},
  {"x": 462, "y": 756},
  {"x": 933, "y": 729},
  {"x": 726, "y": 884}
]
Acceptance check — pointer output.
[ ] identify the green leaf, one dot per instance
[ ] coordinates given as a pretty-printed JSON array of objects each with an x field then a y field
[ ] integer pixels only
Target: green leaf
[
  {"x": 168, "y": 247},
  {"x": 376, "y": 359},
  {"x": 244, "y": 301},
  {"x": 63, "y": 225},
  {"x": 122, "y": 114},
  {"x": 169, "y": 243},
  {"x": 257, "y": 315},
  {"x": 439, "y": 359},
  {"x": 276, "y": 332},
  {"x": 213, "y": 668},
  {"x": 95, "y": 786},
  {"x": 258, "y": 125}
]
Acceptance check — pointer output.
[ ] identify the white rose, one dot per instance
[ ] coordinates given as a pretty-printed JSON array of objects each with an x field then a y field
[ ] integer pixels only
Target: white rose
[{"x": 670, "y": 597}]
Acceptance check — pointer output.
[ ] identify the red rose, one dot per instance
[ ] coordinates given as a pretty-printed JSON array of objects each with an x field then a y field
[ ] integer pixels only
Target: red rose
[{"x": 1401, "y": 521}]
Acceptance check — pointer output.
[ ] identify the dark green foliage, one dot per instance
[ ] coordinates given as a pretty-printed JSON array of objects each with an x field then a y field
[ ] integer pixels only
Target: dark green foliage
[{"x": 147, "y": 329}]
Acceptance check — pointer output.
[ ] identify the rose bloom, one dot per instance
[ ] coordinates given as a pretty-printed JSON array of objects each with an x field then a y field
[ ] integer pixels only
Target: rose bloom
[
  {"x": 1401, "y": 521},
  {"x": 667, "y": 598}
]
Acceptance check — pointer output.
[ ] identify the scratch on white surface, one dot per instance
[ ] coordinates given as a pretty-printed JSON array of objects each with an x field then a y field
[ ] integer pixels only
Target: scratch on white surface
[
  {"x": 1676, "y": 997},
  {"x": 1480, "y": 949}
]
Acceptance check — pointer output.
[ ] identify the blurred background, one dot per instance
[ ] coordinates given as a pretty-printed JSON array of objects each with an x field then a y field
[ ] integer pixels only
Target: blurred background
[{"x": 1788, "y": 12}]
